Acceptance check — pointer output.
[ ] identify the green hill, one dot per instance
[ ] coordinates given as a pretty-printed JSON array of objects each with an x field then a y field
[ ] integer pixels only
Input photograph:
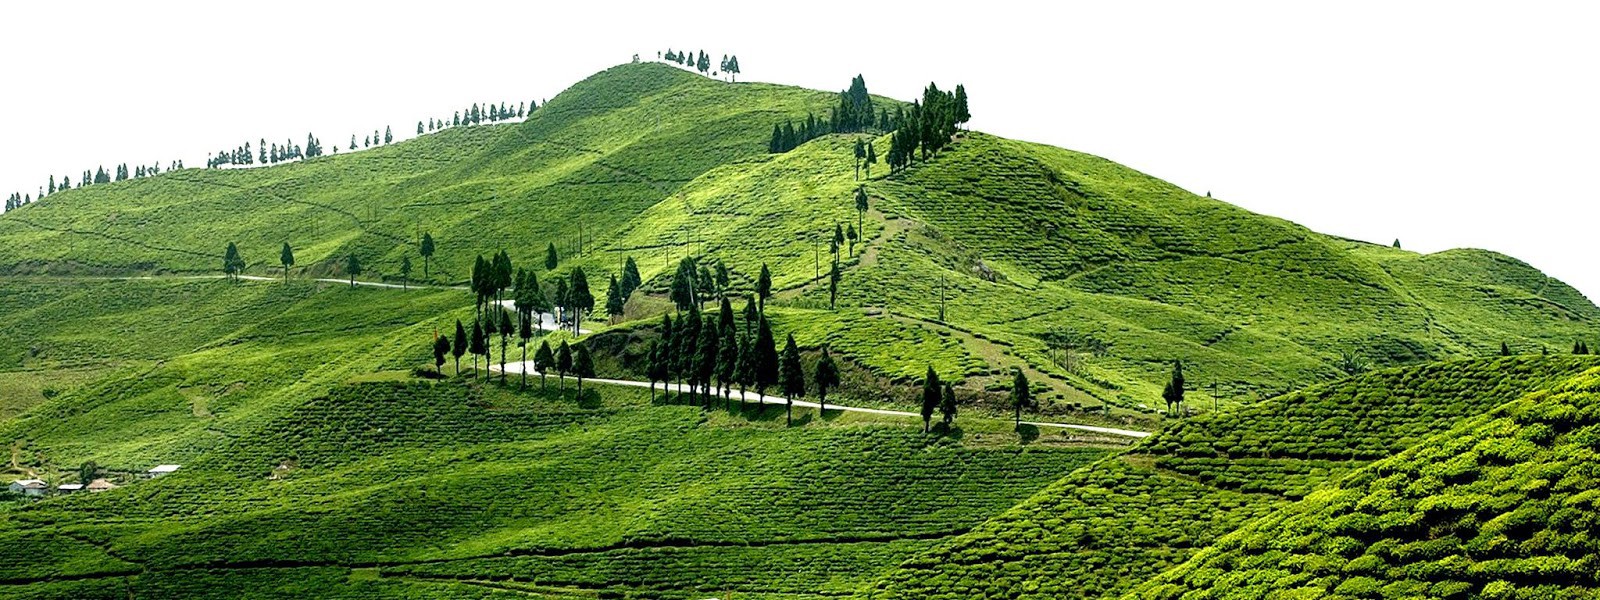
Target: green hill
[
  {"x": 321, "y": 458},
  {"x": 1500, "y": 506},
  {"x": 1028, "y": 242},
  {"x": 1104, "y": 529}
]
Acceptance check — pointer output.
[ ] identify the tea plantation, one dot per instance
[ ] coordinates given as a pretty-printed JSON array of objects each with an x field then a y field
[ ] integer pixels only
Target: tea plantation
[
  {"x": 1500, "y": 506},
  {"x": 1104, "y": 529}
]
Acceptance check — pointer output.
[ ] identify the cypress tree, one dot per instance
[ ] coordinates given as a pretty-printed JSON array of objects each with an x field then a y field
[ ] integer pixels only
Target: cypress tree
[
  {"x": 766, "y": 353},
  {"x": 833, "y": 286},
  {"x": 460, "y": 346},
  {"x": 684, "y": 286},
  {"x": 631, "y": 280},
  {"x": 352, "y": 267},
  {"x": 861, "y": 209},
  {"x": 1173, "y": 393},
  {"x": 667, "y": 358},
  {"x": 405, "y": 272},
  {"x": 1504, "y": 349},
  {"x": 563, "y": 363},
  {"x": 543, "y": 359},
  {"x": 614, "y": 300},
  {"x": 441, "y": 347},
  {"x": 931, "y": 396},
  {"x": 728, "y": 353},
  {"x": 1021, "y": 395},
  {"x": 478, "y": 348},
  {"x": 506, "y": 330},
  {"x": 582, "y": 301},
  {"x": 764, "y": 287},
  {"x": 525, "y": 333},
  {"x": 687, "y": 338},
  {"x": 286, "y": 256},
  {"x": 550, "y": 258},
  {"x": 826, "y": 376},
  {"x": 653, "y": 367},
  {"x": 792, "y": 377},
  {"x": 232, "y": 264},
  {"x": 705, "y": 360}
]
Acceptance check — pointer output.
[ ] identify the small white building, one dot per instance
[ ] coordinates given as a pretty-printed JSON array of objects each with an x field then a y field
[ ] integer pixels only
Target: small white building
[
  {"x": 160, "y": 470},
  {"x": 99, "y": 485},
  {"x": 68, "y": 488},
  {"x": 29, "y": 487}
]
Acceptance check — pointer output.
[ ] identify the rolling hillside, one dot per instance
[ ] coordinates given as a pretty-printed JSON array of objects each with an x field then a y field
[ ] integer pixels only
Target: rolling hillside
[{"x": 1029, "y": 242}]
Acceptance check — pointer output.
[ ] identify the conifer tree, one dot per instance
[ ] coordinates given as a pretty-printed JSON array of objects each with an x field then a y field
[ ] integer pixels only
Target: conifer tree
[
  {"x": 872, "y": 158},
  {"x": 861, "y": 209},
  {"x": 525, "y": 333},
  {"x": 766, "y": 354},
  {"x": 352, "y": 267},
  {"x": 653, "y": 367},
  {"x": 667, "y": 357},
  {"x": 1173, "y": 393},
  {"x": 705, "y": 359},
  {"x": 405, "y": 272},
  {"x": 792, "y": 377},
  {"x": 860, "y": 153},
  {"x": 931, "y": 396},
  {"x": 460, "y": 346},
  {"x": 286, "y": 256},
  {"x": 543, "y": 360},
  {"x": 833, "y": 285},
  {"x": 614, "y": 300},
  {"x": 728, "y": 352},
  {"x": 630, "y": 280},
  {"x": 550, "y": 258},
  {"x": 388, "y": 135},
  {"x": 1504, "y": 349},
  {"x": 764, "y": 287},
  {"x": 826, "y": 376},
  {"x": 563, "y": 363},
  {"x": 851, "y": 235},
  {"x": 687, "y": 338},
  {"x": 684, "y": 290},
  {"x": 1021, "y": 395},
  {"x": 232, "y": 263},
  {"x": 441, "y": 347},
  {"x": 580, "y": 299},
  {"x": 744, "y": 371}
]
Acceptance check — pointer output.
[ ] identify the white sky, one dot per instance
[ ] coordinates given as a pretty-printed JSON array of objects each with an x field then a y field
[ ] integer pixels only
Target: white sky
[{"x": 1445, "y": 124}]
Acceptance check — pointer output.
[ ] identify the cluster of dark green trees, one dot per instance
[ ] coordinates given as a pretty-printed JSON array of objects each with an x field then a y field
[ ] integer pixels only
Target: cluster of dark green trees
[
  {"x": 928, "y": 126},
  {"x": 476, "y": 115},
  {"x": 100, "y": 175},
  {"x": 243, "y": 155},
  {"x": 1173, "y": 392},
  {"x": 702, "y": 62}
]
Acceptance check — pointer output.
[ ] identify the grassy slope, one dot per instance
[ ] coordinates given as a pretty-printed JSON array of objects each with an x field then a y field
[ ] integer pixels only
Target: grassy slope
[
  {"x": 655, "y": 162},
  {"x": 441, "y": 481},
  {"x": 1106, "y": 528},
  {"x": 1501, "y": 506}
]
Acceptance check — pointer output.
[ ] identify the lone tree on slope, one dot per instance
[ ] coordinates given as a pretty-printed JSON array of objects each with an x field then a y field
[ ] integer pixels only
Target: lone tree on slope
[
  {"x": 478, "y": 348},
  {"x": 1173, "y": 393},
  {"x": 861, "y": 211},
  {"x": 427, "y": 253},
  {"x": 764, "y": 287},
  {"x": 931, "y": 396},
  {"x": 1021, "y": 396},
  {"x": 352, "y": 267},
  {"x": 286, "y": 256},
  {"x": 405, "y": 273},
  {"x": 232, "y": 263},
  {"x": 550, "y": 257}
]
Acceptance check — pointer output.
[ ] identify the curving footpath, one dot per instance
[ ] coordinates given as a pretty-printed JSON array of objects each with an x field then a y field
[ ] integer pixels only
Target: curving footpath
[{"x": 520, "y": 366}]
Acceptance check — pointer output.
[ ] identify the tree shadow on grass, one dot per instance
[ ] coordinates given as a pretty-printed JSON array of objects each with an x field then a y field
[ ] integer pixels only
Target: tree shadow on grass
[{"x": 1028, "y": 433}]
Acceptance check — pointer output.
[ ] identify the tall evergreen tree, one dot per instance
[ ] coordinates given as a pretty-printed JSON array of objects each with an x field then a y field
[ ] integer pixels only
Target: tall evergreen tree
[
  {"x": 766, "y": 353},
  {"x": 1504, "y": 349},
  {"x": 764, "y": 287},
  {"x": 833, "y": 286},
  {"x": 744, "y": 371},
  {"x": 286, "y": 256},
  {"x": 441, "y": 347},
  {"x": 727, "y": 356},
  {"x": 460, "y": 346},
  {"x": 826, "y": 376},
  {"x": 550, "y": 258},
  {"x": 861, "y": 210},
  {"x": 543, "y": 360},
  {"x": 506, "y": 330},
  {"x": 1021, "y": 395},
  {"x": 931, "y": 396},
  {"x": 405, "y": 272},
  {"x": 792, "y": 377},
  {"x": 388, "y": 135},
  {"x": 563, "y": 363},
  {"x": 630, "y": 280},
  {"x": 684, "y": 290},
  {"x": 1173, "y": 393},
  {"x": 705, "y": 360},
  {"x": 232, "y": 263},
  {"x": 352, "y": 267},
  {"x": 525, "y": 333},
  {"x": 581, "y": 300},
  {"x": 614, "y": 300},
  {"x": 687, "y": 338}
]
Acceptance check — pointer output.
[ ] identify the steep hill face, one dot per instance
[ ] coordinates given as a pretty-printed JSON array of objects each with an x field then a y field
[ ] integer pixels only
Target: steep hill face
[{"x": 992, "y": 256}]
